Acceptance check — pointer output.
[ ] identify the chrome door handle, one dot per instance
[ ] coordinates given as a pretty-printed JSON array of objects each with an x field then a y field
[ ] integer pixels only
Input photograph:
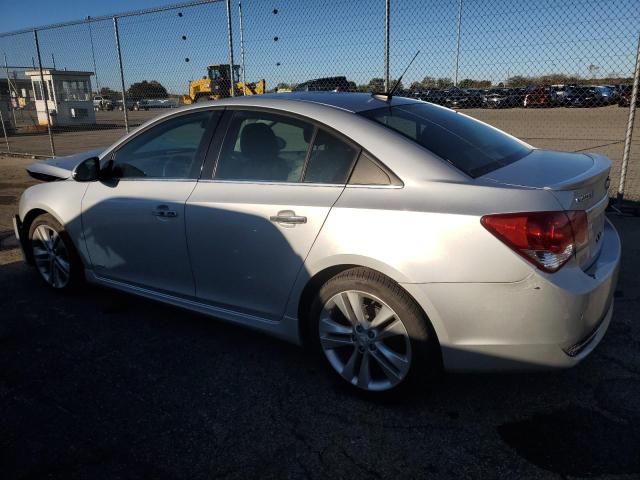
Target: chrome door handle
[
  {"x": 288, "y": 217},
  {"x": 164, "y": 212}
]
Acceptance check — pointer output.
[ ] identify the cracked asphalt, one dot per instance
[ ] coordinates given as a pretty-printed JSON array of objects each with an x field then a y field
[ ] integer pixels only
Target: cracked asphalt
[{"x": 102, "y": 385}]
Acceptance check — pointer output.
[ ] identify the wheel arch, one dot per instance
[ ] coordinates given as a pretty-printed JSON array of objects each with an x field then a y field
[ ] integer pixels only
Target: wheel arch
[{"x": 28, "y": 219}]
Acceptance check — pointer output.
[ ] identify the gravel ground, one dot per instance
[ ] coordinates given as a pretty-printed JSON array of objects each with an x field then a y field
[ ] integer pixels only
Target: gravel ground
[{"x": 102, "y": 385}]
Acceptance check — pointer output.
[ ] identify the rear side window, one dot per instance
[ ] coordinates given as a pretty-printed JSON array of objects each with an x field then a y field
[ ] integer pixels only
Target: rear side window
[
  {"x": 330, "y": 159},
  {"x": 467, "y": 144},
  {"x": 368, "y": 172}
]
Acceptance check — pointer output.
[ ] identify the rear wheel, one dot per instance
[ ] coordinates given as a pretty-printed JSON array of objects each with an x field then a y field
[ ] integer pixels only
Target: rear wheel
[
  {"x": 54, "y": 255},
  {"x": 371, "y": 333}
]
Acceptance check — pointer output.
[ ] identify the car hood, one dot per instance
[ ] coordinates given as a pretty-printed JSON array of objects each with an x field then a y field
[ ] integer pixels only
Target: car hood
[{"x": 60, "y": 168}]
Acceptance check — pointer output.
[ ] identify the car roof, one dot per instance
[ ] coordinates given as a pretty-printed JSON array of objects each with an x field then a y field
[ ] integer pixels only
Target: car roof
[{"x": 347, "y": 101}]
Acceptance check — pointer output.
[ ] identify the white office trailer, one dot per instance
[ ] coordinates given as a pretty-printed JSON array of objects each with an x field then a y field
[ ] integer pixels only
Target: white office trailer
[{"x": 68, "y": 94}]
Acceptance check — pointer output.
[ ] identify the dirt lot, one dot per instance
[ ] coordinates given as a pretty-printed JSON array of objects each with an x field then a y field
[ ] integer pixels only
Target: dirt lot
[
  {"x": 569, "y": 129},
  {"x": 101, "y": 385}
]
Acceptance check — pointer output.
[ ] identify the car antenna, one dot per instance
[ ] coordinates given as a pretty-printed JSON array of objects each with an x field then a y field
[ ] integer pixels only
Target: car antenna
[{"x": 389, "y": 94}]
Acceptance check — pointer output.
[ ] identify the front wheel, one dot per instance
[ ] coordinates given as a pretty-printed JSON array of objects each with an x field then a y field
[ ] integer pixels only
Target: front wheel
[
  {"x": 53, "y": 254},
  {"x": 371, "y": 333}
]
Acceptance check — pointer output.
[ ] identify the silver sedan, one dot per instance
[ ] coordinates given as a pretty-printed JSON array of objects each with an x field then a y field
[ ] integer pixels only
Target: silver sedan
[{"x": 391, "y": 236}]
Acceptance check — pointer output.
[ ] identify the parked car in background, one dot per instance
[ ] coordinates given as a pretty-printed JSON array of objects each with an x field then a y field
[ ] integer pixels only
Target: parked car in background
[
  {"x": 102, "y": 103},
  {"x": 500, "y": 98},
  {"x": 389, "y": 236},
  {"x": 147, "y": 103},
  {"x": 607, "y": 94},
  {"x": 132, "y": 104},
  {"x": 586, "y": 97},
  {"x": 539, "y": 97},
  {"x": 462, "y": 98},
  {"x": 326, "y": 84},
  {"x": 439, "y": 97},
  {"x": 624, "y": 96}
]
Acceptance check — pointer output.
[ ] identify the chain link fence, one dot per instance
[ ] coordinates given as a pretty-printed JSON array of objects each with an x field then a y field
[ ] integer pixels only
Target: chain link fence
[{"x": 558, "y": 75}]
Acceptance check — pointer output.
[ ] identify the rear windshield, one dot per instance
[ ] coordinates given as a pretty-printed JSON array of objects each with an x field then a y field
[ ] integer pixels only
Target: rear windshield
[{"x": 467, "y": 144}]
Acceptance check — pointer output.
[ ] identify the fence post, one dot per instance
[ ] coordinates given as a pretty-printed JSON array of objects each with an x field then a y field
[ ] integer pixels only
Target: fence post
[
  {"x": 4, "y": 131},
  {"x": 93, "y": 55},
  {"x": 230, "y": 34},
  {"x": 244, "y": 77},
  {"x": 124, "y": 93},
  {"x": 632, "y": 116},
  {"x": 455, "y": 82},
  {"x": 387, "y": 21},
  {"x": 45, "y": 95}
]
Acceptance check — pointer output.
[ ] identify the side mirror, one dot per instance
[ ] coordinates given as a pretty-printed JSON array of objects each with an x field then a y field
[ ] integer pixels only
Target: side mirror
[{"x": 87, "y": 171}]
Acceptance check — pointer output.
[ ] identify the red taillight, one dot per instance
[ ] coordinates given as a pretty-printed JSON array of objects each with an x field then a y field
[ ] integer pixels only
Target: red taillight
[{"x": 547, "y": 239}]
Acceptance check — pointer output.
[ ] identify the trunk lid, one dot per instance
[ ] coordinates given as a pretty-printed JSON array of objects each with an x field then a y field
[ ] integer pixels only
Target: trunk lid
[
  {"x": 59, "y": 168},
  {"x": 579, "y": 181}
]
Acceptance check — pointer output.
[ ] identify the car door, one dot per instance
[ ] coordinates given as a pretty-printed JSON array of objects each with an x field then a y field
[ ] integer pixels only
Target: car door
[
  {"x": 251, "y": 224},
  {"x": 134, "y": 220}
]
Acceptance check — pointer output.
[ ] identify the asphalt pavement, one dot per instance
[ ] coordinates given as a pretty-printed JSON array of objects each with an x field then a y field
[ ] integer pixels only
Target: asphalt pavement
[{"x": 102, "y": 385}]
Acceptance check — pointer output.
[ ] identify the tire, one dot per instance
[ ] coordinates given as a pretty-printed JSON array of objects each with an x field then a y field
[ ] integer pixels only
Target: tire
[
  {"x": 65, "y": 271},
  {"x": 343, "y": 344}
]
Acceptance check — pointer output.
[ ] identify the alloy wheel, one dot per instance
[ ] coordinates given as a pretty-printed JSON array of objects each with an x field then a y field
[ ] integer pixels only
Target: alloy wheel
[
  {"x": 364, "y": 340},
  {"x": 51, "y": 256}
]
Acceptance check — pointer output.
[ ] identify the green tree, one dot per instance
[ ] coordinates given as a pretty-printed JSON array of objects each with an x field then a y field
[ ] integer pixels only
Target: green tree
[
  {"x": 444, "y": 82},
  {"x": 376, "y": 85},
  {"x": 429, "y": 82},
  {"x": 108, "y": 92},
  {"x": 145, "y": 89},
  {"x": 470, "y": 83}
]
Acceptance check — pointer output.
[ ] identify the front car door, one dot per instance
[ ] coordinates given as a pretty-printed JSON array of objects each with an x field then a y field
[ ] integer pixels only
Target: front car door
[
  {"x": 134, "y": 220},
  {"x": 251, "y": 224}
]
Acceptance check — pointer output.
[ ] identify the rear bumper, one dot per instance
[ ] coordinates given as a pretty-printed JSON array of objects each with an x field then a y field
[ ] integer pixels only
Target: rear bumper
[{"x": 543, "y": 321}]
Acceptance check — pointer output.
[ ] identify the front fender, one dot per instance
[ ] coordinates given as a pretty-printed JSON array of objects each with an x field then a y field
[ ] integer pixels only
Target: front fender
[{"x": 62, "y": 200}]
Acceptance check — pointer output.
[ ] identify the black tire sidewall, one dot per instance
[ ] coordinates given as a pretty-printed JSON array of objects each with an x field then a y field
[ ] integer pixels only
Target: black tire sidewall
[{"x": 76, "y": 273}]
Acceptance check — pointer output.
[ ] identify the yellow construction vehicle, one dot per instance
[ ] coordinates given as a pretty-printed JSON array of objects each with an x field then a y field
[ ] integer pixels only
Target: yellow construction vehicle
[{"x": 217, "y": 84}]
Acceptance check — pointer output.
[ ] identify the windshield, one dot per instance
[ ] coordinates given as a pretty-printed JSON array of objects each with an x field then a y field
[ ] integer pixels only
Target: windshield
[{"x": 467, "y": 144}]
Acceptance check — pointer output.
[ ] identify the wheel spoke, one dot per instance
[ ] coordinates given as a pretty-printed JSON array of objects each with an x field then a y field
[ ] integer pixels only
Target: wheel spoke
[
  {"x": 327, "y": 325},
  {"x": 364, "y": 376},
  {"x": 382, "y": 317},
  {"x": 349, "y": 369},
  {"x": 53, "y": 271},
  {"x": 392, "y": 329},
  {"x": 63, "y": 265},
  {"x": 393, "y": 365},
  {"x": 342, "y": 302},
  {"x": 329, "y": 342},
  {"x": 355, "y": 301}
]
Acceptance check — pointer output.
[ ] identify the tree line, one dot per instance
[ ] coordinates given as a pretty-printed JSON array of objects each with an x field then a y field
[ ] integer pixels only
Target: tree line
[{"x": 154, "y": 89}]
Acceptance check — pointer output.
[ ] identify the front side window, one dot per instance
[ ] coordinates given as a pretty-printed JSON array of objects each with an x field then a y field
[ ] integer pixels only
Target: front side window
[
  {"x": 261, "y": 146},
  {"x": 170, "y": 149},
  {"x": 467, "y": 144}
]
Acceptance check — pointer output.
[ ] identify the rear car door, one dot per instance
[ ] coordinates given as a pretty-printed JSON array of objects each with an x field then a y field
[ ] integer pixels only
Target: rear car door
[
  {"x": 252, "y": 222},
  {"x": 134, "y": 220}
]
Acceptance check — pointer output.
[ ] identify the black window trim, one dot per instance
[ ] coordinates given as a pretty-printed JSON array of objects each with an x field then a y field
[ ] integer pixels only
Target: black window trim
[{"x": 215, "y": 150}]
